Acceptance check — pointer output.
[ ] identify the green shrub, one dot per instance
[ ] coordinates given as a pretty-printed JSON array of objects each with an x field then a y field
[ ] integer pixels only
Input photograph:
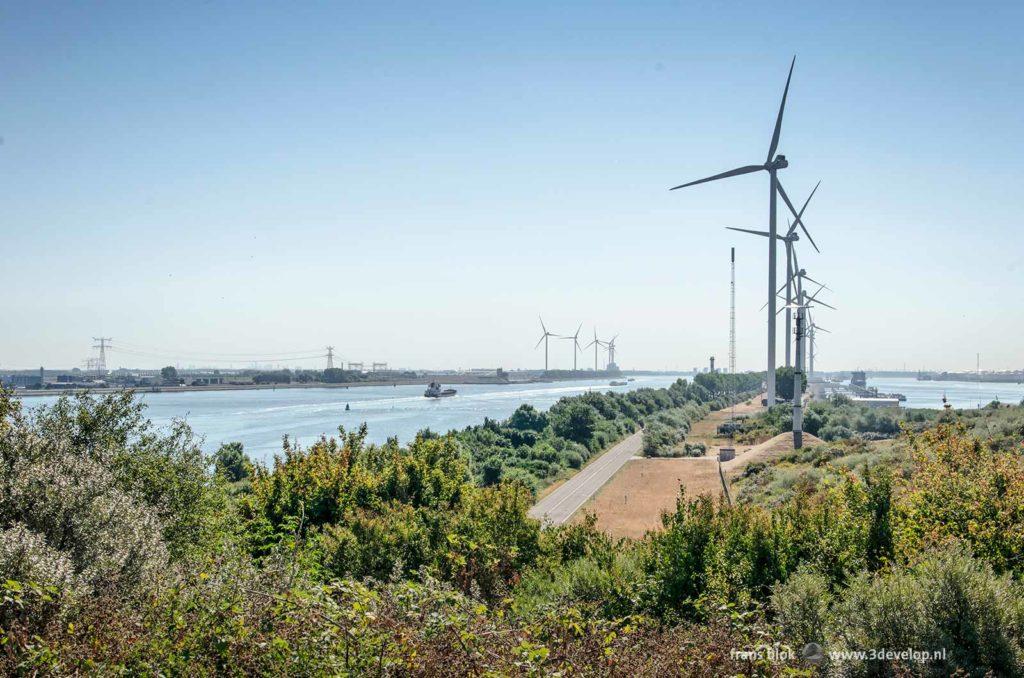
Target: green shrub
[
  {"x": 947, "y": 600},
  {"x": 801, "y": 605}
]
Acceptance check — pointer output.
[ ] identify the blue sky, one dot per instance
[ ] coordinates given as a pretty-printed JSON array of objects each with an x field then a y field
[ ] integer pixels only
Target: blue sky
[{"x": 416, "y": 183}]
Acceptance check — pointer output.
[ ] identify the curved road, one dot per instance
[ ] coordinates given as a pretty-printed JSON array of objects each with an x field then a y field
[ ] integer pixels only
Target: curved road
[{"x": 558, "y": 507}]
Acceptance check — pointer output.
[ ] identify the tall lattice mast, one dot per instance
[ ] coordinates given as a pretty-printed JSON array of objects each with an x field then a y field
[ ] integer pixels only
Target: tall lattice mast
[
  {"x": 102, "y": 344},
  {"x": 732, "y": 312}
]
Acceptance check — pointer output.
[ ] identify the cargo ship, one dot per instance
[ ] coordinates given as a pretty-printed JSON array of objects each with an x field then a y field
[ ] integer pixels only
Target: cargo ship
[{"x": 434, "y": 390}]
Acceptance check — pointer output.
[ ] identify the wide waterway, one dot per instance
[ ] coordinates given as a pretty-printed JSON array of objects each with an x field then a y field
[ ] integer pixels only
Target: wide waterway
[
  {"x": 260, "y": 418},
  {"x": 961, "y": 394}
]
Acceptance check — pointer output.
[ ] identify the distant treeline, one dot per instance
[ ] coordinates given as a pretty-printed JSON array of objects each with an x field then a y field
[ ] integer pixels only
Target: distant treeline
[{"x": 334, "y": 375}]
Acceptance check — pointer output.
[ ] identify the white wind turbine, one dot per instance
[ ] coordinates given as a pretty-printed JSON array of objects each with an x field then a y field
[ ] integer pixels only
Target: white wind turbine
[
  {"x": 804, "y": 303},
  {"x": 596, "y": 343},
  {"x": 575, "y": 344},
  {"x": 789, "y": 241},
  {"x": 812, "y": 330},
  {"x": 611, "y": 350},
  {"x": 772, "y": 165},
  {"x": 544, "y": 338}
]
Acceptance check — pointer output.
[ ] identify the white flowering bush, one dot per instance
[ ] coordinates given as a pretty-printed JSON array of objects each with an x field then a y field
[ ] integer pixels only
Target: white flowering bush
[{"x": 91, "y": 498}]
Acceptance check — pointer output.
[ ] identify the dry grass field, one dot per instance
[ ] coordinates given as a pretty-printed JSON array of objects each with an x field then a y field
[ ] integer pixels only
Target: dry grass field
[{"x": 631, "y": 503}]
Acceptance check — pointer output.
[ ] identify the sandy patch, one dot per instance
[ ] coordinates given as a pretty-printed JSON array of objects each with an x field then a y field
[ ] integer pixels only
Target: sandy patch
[{"x": 632, "y": 502}]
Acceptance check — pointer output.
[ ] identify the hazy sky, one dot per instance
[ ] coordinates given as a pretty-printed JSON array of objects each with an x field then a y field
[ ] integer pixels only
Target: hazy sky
[{"x": 415, "y": 182}]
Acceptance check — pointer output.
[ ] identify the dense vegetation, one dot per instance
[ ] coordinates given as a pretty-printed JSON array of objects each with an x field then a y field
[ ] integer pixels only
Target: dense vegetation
[
  {"x": 127, "y": 550},
  {"x": 536, "y": 448}
]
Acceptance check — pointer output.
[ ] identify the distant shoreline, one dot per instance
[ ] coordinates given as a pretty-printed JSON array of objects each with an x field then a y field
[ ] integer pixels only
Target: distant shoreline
[
  {"x": 421, "y": 381},
  {"x": 453, "y": 379}
]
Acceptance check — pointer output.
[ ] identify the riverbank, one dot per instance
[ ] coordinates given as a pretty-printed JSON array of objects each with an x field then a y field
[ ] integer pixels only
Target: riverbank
[
  {"x": 419, "y": 381},
  {"x": 466, "y": 379}
]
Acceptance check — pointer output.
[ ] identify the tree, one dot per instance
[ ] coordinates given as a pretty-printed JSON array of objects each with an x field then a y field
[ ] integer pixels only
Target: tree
[
  {"x": 527, "y": 418},
  {"x": 784, "y": 382},
  {"x": 169, "y": 374},
  {"x": 230, "y": 460},
  {"x": 576, "y": 422}
]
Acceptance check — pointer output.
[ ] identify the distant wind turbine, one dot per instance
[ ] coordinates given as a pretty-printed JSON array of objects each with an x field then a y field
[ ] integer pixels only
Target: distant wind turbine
[
  {"x": 772, "y": 165},
  {"x": 789, "y": 240},
  {"x": 802, "y": 306},
  {"x": 544, "y": 338},
  {"x": 575, "y": 344},
  {"x": 812, "y": 329},
  {"x": 596, "y": 343},
  {"x": 611, "y": 351}
]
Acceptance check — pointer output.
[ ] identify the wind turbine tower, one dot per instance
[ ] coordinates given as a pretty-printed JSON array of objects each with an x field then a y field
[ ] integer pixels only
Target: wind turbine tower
[
  {"x": 732, "y": 312},
  {"x": 596, "y": 343},
  {"x": 772, "y": 164},
  {"x": 544, "y": 338},
  {"x": 575, "y": 344}
]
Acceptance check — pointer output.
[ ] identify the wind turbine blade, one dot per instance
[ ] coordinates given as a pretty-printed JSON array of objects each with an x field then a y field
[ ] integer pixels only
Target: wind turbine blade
[
  {"x": 542, "y": 324},
  {"x": 578, "y": 330},
  {"x": 821, "y": 329},
  {"x": 747, "y": 230},
  {"x": 541, "y": 341},
  {"x": 796, "y": 215},
  {"x": 779, "y": 291},
  {"x": 778, "y": 121},
  {"x": 822, "y": 303},
  {"x": 823, "y": 285},
  {"x": 724, "y": 175},
  {"x": 806, "y": 202}
]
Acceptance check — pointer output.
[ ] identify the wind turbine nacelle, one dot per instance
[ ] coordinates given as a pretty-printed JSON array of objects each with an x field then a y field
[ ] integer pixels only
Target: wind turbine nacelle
[{"x": 780, "y": 162}]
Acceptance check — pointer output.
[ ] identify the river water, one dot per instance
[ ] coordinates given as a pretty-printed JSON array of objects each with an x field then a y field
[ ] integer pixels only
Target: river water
[
  {"x": 260, "y": 418},
  {"x": 961, "y": 394}
]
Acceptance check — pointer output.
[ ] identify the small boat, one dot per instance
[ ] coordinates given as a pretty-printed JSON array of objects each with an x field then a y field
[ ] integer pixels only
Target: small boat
[
  {"x": 631, "y": 379},
  {"x": 616, "y": 383},
  {"x": 434, "y": 390}
]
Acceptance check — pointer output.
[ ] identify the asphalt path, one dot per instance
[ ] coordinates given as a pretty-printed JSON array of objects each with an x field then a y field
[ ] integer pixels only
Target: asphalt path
[{"x": 563, "y": 502}]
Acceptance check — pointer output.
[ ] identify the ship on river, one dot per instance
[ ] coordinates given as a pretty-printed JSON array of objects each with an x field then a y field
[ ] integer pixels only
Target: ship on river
[{"x": 434, "y": 390}]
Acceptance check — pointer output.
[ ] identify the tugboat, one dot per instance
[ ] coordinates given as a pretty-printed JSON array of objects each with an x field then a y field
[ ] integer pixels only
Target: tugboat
[{"x": 434, "y": 390}]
